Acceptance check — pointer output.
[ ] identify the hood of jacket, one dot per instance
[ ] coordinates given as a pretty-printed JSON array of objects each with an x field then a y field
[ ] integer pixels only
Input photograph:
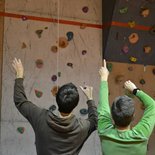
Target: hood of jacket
[{"x": 60, "y": 124}]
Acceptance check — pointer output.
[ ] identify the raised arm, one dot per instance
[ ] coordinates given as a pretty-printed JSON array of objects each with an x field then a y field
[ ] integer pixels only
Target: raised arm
[
  {"x": 25, "y": 107},
  {"x": 104, "y": 114},
  {"x": 147, "y": 123},
  {"x": 92, "y": 110}
]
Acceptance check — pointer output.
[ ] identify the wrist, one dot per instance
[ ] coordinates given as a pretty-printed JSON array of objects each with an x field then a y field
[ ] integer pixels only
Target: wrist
[
  {"x": 104, "y": 78},
  {"x": 19, "y": 76},
  {"x": 90, "y": 98},
  {"x": 135, "y": 91}
]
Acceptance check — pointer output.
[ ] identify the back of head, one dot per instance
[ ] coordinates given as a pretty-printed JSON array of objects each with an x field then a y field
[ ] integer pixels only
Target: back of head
[
  {"x": 122, "y": 111},
  {"x": 67, "y": 98}
]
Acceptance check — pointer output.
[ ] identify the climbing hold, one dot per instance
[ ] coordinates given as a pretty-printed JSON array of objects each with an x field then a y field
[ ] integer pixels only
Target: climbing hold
[
  {"x": 142, "y": 81},
  {"x": 63, "y": 42},
  {"x": 70, "y": 64},
  {"x": 54, "y": 49},
  {"x": 70, "y": 35},
  {"x": 119, "y": 79},
  {"x": 59, "y": 74},
  {"x": 46, "y": 28},
  {"x": 39, "y": 33},
  {"x": 133, "y": 38},
  {"x": 52, "y": 107},
  {"x": 123, "y": 10},
  {"x": 24, "y": 18},
  {"x": 109, "y": 67},
  {"x": 144, "y": 12},
  {"x": 39, "y": 63},
  {"x": 132, "y": 24},
  {"x": 153, "y": 71},
  {"x": 133, "y": 59},
  {"x": 38, "y": 93},
  {"x": 83, "y": 111},
  {"x": 54, "y": 90},
  {"x": 83, "y": 26},
  {"x": 84, "y": 52},
  {"x": 54, "y": 78},
  {"x": 21, "y": 130},
  {"x": 23, "y": 45},
  {"x": 152, "y": 30},
  {"x": 130, "y": 68},
  {"x": 147, "y": 49},
  {"x": 85, "y": 9},
  {"x": 125, "y": 49}
]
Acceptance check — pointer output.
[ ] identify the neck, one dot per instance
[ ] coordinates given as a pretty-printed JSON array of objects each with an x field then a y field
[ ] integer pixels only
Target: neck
[
  {"x": 123, "y": 128},
  {"x": 64, "y": 114}
]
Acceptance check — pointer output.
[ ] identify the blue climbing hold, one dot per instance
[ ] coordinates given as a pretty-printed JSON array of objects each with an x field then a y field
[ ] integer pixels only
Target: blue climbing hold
[{"x": 83, "y": 111}]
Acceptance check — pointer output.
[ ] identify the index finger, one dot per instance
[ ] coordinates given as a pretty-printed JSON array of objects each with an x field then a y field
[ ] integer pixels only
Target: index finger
[{"x": 104, "y": 63}]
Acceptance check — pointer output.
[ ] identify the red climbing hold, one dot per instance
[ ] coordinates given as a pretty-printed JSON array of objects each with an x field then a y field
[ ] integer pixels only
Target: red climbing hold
[
  {"x": 38, "y": 93},
  {"x": 85, "y": 9}
]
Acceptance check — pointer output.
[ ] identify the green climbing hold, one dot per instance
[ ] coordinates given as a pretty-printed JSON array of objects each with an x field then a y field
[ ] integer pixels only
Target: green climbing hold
[
  {"x": 109, "y": 66},
  {"x": 123, "y": 10},
  {"x": 21, "y": 130}
]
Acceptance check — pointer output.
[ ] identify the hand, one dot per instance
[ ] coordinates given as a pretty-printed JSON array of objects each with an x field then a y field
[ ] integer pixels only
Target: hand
[
  {"x": 129, "y": 86},
  {"x": 104, "y": 73},
  {"x": 17, "y": 65},
  {"x": 88, "y": 91}
]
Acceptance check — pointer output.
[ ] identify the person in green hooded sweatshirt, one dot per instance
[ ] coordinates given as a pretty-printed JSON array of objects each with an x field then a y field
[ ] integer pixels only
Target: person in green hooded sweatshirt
[{"x": 116, "y": 135}]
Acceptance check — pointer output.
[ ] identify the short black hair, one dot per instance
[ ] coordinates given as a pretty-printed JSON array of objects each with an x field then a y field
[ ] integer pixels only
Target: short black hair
[
  {"x": 123, "y": 111},
  {"x": 67, "y": 98}
]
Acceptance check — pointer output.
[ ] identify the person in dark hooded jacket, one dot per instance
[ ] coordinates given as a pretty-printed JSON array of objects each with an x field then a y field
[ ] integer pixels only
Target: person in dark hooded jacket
[{"x": 56, "y": 134}]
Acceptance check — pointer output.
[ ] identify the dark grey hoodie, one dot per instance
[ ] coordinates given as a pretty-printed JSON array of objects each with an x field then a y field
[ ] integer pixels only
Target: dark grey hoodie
[{"x": 55, "y": 135}]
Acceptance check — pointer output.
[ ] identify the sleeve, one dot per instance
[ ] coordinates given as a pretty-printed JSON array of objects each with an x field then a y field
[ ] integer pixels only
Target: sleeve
[
  {"x": 146, "y": 124},
  {"x": 92, "y": 116},
  {"x": 29, "y": 110},
  {"x": 104, "y": 114}
]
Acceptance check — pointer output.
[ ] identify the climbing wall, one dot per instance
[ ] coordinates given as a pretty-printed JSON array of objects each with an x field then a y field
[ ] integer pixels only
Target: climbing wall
[
  {"x": 131, "y": 34},
  {"x": 58, "y": 41},
  {"x": 128, "y": 45}
]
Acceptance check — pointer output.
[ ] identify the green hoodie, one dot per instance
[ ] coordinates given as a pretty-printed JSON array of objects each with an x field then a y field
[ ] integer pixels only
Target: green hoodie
[{"x": 124, "y": 142}]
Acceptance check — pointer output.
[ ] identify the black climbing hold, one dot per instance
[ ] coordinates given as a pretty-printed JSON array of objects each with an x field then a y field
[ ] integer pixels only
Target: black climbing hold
[
  {"x": 142, "y": 81},
  {"x": 54, "y": 78},
  {"x": 52, "y": 107}
]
